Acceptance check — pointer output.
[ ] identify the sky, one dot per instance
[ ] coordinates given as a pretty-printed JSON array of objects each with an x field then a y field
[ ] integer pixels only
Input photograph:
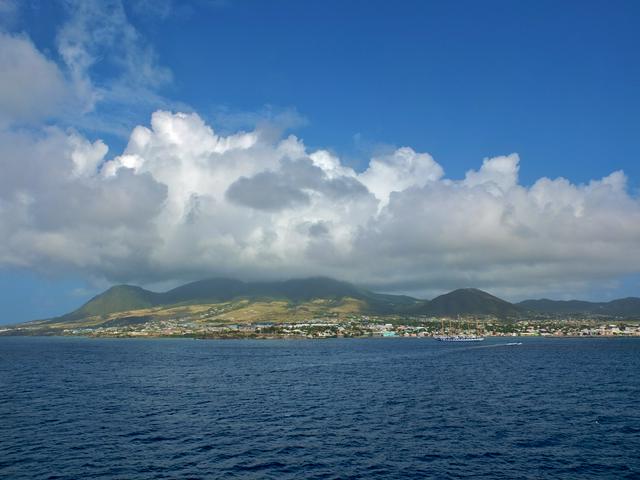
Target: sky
[{"x": 410, "y": 147}]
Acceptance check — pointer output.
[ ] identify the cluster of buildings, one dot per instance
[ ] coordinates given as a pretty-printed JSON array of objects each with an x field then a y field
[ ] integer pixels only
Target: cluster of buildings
[{"x": 363, "y": 326}]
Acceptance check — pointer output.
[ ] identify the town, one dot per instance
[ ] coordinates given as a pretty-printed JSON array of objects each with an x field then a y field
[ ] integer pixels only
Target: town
[{"x": 369, "y": 326}]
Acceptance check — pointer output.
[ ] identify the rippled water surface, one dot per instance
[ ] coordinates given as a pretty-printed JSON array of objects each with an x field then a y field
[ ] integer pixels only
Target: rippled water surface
[{"x": 75, "y": 408}]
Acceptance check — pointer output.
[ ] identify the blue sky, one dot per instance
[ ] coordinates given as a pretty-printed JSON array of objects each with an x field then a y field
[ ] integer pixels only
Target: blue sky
[{"x": 554, "y": 82}]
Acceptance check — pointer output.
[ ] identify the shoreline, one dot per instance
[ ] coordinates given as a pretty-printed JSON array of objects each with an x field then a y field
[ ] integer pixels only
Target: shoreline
[{"x": 302, "y": 337}]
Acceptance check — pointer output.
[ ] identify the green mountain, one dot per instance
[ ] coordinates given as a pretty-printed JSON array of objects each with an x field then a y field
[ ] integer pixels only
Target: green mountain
[
  {"x": 315, "y": 296},
  {"x": 205, "y": 291},
  {"x": 469, "y": 301},
  {"x": 623, "y": 307},
  {"x": 544, "y": 305},
  {"x": 297, "y": 290},
  {"x": 123, "y": 298},
  {"x": 119, "y": 298},
  {"x": 223, "y": 289}
]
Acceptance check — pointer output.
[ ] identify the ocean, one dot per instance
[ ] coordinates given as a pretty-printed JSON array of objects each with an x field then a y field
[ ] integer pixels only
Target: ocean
[{"x": 80, "y": 408}]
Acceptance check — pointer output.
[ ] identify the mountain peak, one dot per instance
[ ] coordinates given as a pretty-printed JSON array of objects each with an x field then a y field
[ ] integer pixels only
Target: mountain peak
[
  {"x": 462, "y": 301},
  {"x": 120, "y": 298},
  {"x": 117, "y": 298},
  {"x": 470, "y": 290},
  {"x": 470, "y": 301}
]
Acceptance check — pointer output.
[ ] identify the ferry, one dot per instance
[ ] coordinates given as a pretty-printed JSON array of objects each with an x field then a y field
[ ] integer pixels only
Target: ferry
[{"x": 459, "y": 338}]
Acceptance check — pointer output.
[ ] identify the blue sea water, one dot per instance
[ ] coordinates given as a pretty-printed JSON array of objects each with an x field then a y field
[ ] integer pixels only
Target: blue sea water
[{"x": 77, "y": 408}]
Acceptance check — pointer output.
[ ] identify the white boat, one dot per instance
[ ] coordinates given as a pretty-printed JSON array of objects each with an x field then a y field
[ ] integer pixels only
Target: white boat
[{"x": 459, "y": 338}]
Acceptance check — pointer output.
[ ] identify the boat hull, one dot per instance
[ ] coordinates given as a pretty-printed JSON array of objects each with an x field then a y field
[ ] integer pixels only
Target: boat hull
[{"x": 459, "y": 339}]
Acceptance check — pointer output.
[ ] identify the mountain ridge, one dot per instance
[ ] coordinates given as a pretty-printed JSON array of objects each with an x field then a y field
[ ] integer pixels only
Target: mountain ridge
[
  {"x": 463, "y": 301},
  {"x": 121, "y": 298},
  {"x": 470, "y": 301},
  {"x": 628, "y": 306}
]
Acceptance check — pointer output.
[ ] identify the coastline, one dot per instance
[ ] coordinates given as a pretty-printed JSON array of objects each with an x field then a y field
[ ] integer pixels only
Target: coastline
[{"x": 304, "y": 337}]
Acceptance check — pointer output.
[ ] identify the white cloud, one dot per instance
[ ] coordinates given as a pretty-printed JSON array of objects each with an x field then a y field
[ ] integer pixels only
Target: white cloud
[
  {"x": 104, "y": 74},
  {"x": 183, "y": 202},
  {"x": 398, "y": 171},
  {"x": 86, "y": 156},
  {"x": 32, "y": 87},
  {"x": 56, "y": 213},
  {"x": 100, "y": 31},
  {"x": 499, "y": 174}
]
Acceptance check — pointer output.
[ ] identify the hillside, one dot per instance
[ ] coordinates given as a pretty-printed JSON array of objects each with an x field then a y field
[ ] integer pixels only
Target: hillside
[
  {"x": 623, "y": 307},
  {"x": 228, "y": 301},
  {"x": 469, "y": 301},
  {"x": 119, "y": 298},
  {"x": 297, "y": 290},
  {"x": 124, "y": 298}
]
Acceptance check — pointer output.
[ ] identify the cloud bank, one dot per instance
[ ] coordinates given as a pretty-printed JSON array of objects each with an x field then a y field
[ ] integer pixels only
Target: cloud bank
[{"x": 183, "y": 202}]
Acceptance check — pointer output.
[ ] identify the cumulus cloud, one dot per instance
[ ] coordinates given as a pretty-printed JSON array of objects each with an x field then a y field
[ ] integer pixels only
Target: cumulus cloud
[
  {"x": 292, "y": 185},
  {"x": 183, "y": 202},
  {"x": 398, "y": 171},
  {"x": 498, "y": 174},
  {"x": 32, "y": 87},
  {"x": 267, "y": 191},
  {"x": 54, "y": 215},
  {"x": 102, "y": 73}
]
